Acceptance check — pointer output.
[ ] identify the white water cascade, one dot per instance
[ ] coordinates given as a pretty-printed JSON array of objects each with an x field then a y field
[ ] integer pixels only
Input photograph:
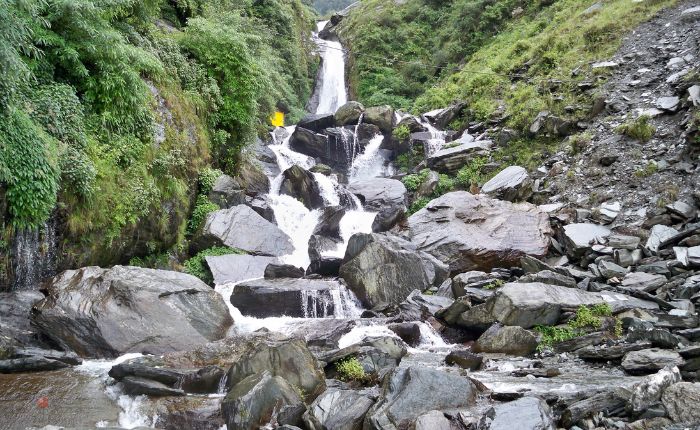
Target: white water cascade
[{"x": 332, "y": 93}]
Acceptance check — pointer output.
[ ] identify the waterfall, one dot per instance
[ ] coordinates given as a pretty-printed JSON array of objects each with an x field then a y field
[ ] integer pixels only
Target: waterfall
[
  {"x": 331, "y": 86},
  {"x": 370, "y": 164},
  {"x": 436, "y": 141}
]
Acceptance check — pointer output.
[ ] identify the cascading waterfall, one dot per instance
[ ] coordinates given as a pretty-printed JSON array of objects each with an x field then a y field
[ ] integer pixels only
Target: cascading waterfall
[
  {"x": 33, "y": 255},
  {"x": 332, "y": 93},
  {"x": 436, "y": 141}
]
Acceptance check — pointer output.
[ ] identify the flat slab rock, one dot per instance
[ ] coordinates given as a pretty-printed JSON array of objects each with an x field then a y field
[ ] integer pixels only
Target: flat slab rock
[
  {"x": 237, "y": 268},
  {"x": 475, "y": 232},
  {"x": 242, "y": 228}
]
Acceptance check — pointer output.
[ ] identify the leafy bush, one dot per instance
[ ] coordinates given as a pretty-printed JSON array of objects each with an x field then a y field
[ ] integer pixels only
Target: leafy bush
[
  {"x": 638, "y": 128},
  {"x": 412, "y": 182},
  {"x": 418, "y": 204},
  {"x": 30, "y": 169},
  {"x": 196, "y": 265},
  {"x": 350, "y": 370},
  {"x": 402, "y": 132},
  {"x": 472, "y": 173},
  {"x": 202, "y": 208},
  {"x": 207, "y": 178}
]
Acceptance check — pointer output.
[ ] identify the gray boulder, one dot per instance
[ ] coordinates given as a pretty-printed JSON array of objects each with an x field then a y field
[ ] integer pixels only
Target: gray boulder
[
  {"x": 250, "y": 181},
  {"x": 300, "y": 298},
  {"x": 511, "y": 340},
  {"x": 681, "y": 401},
  {"x": 650, "y": 360},
  {"x": 310, "y": 143},
  {"x": 530, "y": 413},
  {"x": 648, "y": 391},
  {"x": 226, "y": 192},
  {"x": 578, "y": 238},
  {"x": 450, "y": 160},
  {"x": 433, "y": 420},
  {"x": 377, "y": 355},
  {"x": 302, "y": 185},
  {"x": 464, "y": 359},
  {"x": 242, "y": 228},
  {"x": 237, "y": 268},
  {"x": 511, "y": 184},
  {"x": 441, "y": 118},
  {"x": 108, "y": 312},
  {"x": 381, "y": 116},
  {"x": 329, "y": 222},
  {"x": 527, "y": 305},
  {"x": 289, "y": 359},
  {"x": 385, "y": 196},
  {"x": 405, "y": 396},
  {"x": 317, "y": 122},
  {"x": 274, "y": 271},
  {"x": 647, "y": 282},
  {"x": 257, "y": 400},
  {"x": 382, "y": 268},
  {"x": 338, "y": 410},
  {"x": 348, "y": 114},
  {"x": 474, "y": 232}
]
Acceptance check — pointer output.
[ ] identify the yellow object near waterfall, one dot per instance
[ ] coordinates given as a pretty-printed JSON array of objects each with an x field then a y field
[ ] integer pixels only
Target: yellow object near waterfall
[{"x": 277, "y": 119}]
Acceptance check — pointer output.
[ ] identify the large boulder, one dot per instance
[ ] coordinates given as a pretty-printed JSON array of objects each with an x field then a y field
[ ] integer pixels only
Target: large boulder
[
  {"x": 681, "y": 401},
  {"x": 410, "y": 392},
  {"x": 441, "y": 118},
  {"x": 301, "y": 298},
  {"x": 385, "y": 196},
  {"x": 289, "y": 359},
  {"x": 302, "y": 185},
  {"x": 108, "y": 312},
  {"x": 512, "y": 184},
  {"x": 338, "y": 410},
  {"x": 15, "y": 325},
  {"x": 377, "y": 355},
  {"x": 257, "y": 400},
  {"x": 648, "y": 391},
  {"x": 328, "y": 224},
  {"x": 578, "y": 238},
  {"x": 242, "y": 228},
  {"x": 381, "y": 116},
  {"x": 530, "y": 304},
  {"x": 309, "y": 143},
  {"x": 474, "y": 232},
  {"x": 237, "y": 268},
  {"x": 530, "y": 413},
  {"x": 650, "y": 360},
  {"x": 250, "y": 181},
  {"x": 348, "y": 114},
  {"x": 450, "y": 160},
  {"x": 511, "y": 340},
  {"x": 382, "y": 268},
  {"x": 317, "y": 122}
]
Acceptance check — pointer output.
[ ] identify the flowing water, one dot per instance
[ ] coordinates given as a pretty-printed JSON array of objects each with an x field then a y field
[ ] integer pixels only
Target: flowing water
[{"x": 331, "y": 90}]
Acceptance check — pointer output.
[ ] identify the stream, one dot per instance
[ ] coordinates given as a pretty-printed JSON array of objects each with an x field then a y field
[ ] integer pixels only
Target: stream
[{"x": 83, "y": 396}]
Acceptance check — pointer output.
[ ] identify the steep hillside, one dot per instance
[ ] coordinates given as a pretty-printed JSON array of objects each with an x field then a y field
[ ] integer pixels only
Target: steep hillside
[{"x": 109, "y": 112}]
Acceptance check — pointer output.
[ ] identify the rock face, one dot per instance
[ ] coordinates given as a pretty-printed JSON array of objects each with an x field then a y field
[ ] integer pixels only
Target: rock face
[
  {"x": 385, "y": 196},
  {"x": 241, "y": 227},
  {"x": 338, "y": 410},
  {"x": 681, "y": 401},
  {"x": 530, "y": 413},
  {"x": 381, "y": 268},
  {"x": 381, "y": 116},
  {"x": 108, "y": 312},
  {"x": 648, "y": 392},
  {"x": 512, "y": 184},
  {"x": 508, "y": 340},
  {"x": 289, "y": 359},
  {"x": 256, "y": 400},
  {"x": 348, "y": 114},
  {"x": 530, "y": 304},
  {"x": 650, "y": 360},
  {"x": 237, "y": 268},
  {"x": 452, "y": 159},
  {"x": 404, "y": 398},
  {"x": 301, "y": 298},
  {"x": 300, "y": 184},
  {"x": 479, "y": 233}
]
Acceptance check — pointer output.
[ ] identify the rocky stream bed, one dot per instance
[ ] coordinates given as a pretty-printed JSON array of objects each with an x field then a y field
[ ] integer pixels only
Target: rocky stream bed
[{"x": 479, "y": 311}]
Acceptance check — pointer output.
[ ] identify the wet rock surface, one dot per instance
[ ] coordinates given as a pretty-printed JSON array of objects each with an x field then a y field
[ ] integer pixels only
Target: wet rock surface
[{"x": 107, "y": 312}]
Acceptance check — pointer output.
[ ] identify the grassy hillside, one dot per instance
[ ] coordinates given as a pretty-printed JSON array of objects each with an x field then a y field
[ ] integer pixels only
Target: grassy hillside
[
  {"x": 109, "y": 111},
  {"x": 522, "y": 56}
]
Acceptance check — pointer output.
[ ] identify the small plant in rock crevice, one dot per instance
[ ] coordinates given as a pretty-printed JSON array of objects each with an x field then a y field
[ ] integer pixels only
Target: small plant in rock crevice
[
  {"x": 587, "y": 318},
  {"x": 638, "y": 128},
  {"x": 350, "y": 370}
]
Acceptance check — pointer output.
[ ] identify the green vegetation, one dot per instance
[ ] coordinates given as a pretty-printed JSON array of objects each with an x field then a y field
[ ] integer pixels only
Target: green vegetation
[
  {"x": 638, "y": 128},
  {"x": 197, "y": 266},
  {"x": 350, "y": 370},
  {"x": 579, "y": 142},
  {"x": 587, "y": 318},
  {"x": 202, "y": 208},
  {"x": 498, "y": 283},
  {"x": 84, "y": 82},
  {"x": 413, "y": 182},
  {"x": 324, "y": 7},
  {"x": 649, "y": 169},
  {"x": 402, "y": 132}
]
